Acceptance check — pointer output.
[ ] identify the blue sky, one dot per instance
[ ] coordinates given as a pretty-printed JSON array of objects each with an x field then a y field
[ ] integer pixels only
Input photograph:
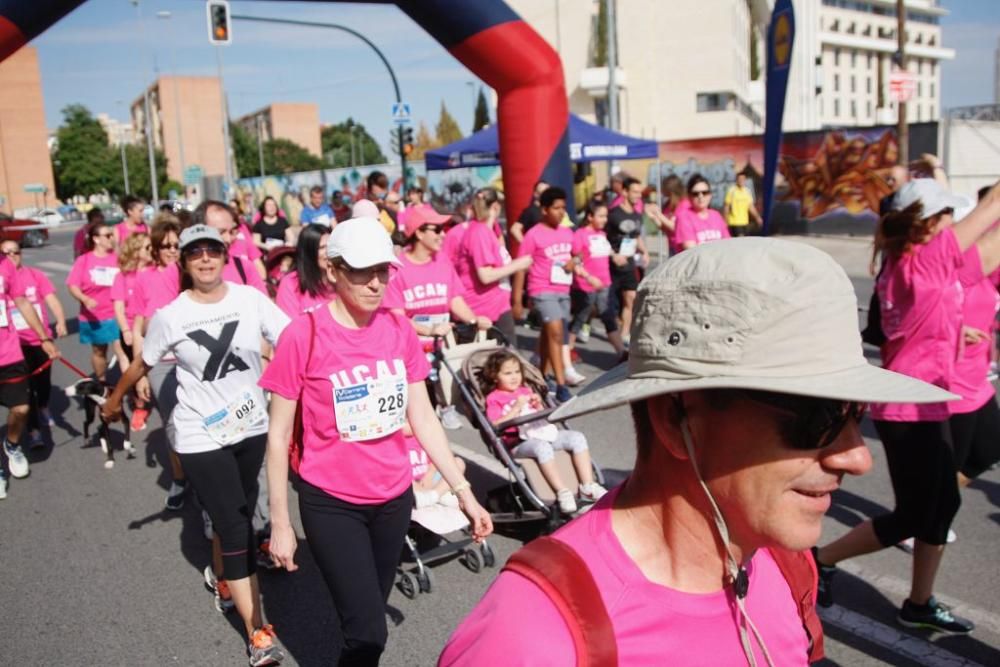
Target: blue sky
[{"x": 97, "y": 56}]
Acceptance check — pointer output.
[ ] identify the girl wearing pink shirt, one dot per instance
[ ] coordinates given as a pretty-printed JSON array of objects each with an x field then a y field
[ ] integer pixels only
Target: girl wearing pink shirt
[
  {"x": 135, "y": 256},
  {"x": 920, "y": 295},
  {"x": 358, "y": 372},
  {"x": 90, "y": 282},
  {"x": 133, "y": 223},
  {"x": 37, "y": 290},
  {"x": 485, "y": 266},
  {"x": 307, "y": 287},
  {"x": 700, "y": 224}
]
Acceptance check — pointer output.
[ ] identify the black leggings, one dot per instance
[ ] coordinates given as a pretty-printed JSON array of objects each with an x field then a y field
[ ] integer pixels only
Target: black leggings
[
  {"x": 977, "y": 439},
  {"x": 924, "y": 481},
  {"x": 226, "y": 483},
  {"x": 39, "y": 386},
  {"x": 357, "y": 549}
]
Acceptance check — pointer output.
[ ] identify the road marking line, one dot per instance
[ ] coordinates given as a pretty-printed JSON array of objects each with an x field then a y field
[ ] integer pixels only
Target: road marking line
[
  {"x": 55, "y": 266},
  {"x": 900, "y": 643},
  {"x": 901, "y": 589}
]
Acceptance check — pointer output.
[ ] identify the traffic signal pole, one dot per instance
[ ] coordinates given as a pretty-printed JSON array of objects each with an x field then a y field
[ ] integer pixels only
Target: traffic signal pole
[{"x": 344, "y": 28}]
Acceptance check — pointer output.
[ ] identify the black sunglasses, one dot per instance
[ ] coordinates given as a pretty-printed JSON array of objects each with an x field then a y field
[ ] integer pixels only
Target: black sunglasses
[
  {"x": 169, "y": 246},
  {"x": 701, "y": 193},
  {"x": 213, "y": 251},
  {"x": 814, "y": 423},
  {"x": 435, "y": 229}
]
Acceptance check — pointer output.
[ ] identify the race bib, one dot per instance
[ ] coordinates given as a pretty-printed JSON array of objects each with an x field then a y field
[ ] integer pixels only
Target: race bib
[
  {"x": 431, "y": 320},
  {"x": 559, "y": 276},
  {"x": 20, "y": 323},
  {"x": 628, "y": 247},
  {"x": 599, "y": 246},
  {"x": 229, "y": 424},
  {"x": 3, "y": 314},
  {"x": 103, "y": 276},
  {"x": 370, "y": 410}
]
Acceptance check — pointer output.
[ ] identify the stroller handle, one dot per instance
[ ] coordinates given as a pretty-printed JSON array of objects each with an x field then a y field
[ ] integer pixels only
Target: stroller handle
[{"x": 465, "y": 330}]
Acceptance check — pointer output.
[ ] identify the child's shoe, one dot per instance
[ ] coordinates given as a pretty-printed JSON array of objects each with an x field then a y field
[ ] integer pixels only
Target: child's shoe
[{"x": 567, "y": 503}]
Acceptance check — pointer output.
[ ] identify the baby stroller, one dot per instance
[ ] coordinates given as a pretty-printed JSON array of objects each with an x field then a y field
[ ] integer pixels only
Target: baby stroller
[
  {"x": 527, "y": 497},
  {"x": 437, "y": 533}
]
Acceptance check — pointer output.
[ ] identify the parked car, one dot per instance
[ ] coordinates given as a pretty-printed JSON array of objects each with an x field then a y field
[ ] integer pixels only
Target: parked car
[
  {"x": 45, "y": 216},
  {"x": 11, "y": 229}
]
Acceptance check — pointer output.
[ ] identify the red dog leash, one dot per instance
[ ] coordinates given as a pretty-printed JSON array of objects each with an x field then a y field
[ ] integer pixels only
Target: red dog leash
[{"x": 47, "y": 364}]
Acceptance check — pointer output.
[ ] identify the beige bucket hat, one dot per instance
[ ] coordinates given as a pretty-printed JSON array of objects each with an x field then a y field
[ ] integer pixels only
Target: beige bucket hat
[{"x": 748, "y": 313}]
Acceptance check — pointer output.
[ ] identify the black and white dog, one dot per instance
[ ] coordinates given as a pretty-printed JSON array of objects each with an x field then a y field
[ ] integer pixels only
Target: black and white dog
[{"x": 91, "y": 395}]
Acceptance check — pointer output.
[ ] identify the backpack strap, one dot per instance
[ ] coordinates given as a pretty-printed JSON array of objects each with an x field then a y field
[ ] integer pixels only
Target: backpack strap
[
  {"x": 239, "y": 268},
  {"x": 564, "y": 577},
  {"x": 799, "y": 571}
]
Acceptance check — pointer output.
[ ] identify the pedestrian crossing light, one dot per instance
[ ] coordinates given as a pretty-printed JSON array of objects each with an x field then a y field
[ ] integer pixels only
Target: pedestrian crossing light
[{"x": 218, "y": 22}]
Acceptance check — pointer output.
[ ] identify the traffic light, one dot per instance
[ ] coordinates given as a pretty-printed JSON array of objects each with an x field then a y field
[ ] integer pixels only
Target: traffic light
[
  {"x": 218, "y": 22},
  {"x": 407, "y": 140}
]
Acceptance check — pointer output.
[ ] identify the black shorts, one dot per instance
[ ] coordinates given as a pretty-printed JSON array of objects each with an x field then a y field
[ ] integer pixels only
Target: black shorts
[
  {"x": 13, "y": 394},
  {"x": 625, "y": 279}
]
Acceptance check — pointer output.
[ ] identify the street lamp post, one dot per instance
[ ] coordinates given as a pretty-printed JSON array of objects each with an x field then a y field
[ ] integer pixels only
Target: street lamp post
[
  {"x": 121, "y": 147},
  {"x": 177, "y": 102},
  {"x": 260, "y": 146},
  {"x": 148, "y": 117}
]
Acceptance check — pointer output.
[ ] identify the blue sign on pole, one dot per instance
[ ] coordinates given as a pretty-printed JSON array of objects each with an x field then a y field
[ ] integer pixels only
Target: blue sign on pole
[{"x": 780, "y": 36}]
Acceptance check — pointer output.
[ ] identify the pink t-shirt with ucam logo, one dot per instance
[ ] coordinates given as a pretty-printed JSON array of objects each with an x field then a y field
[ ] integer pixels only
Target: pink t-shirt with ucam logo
[
  {"x": 347, "y": 364},
  {"x": 36, "y": 287},
  {"x": 550, "y": 249},
  {"x": 921, "y": 301},
  {"x": 979, "y": 310},
  {"x": 94, "y": 276},
  {"x": 653, "y": 624},
  {"x": 592, "y": 247},
  {"x": 10, "y": 287},
  {"x": 423, "y": 289},
  {"x": 482, "y": 247}
]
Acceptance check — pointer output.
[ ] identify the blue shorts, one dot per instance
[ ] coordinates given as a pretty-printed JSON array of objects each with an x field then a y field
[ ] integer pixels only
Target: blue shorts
[{"x": 98, "y": 333}]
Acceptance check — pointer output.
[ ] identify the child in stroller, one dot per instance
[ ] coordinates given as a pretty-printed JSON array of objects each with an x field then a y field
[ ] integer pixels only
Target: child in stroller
[
  {"x": 429, "y": 488},
  {"x": 507, "y": 397}
]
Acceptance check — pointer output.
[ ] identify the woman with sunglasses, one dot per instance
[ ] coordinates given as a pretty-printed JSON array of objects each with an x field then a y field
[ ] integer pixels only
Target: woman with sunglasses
[
  {"x": 307, "y": 287},
  {"x": 700, "y": 224},
  {"x": 37, "y": 290},
  {"x": 89, "y": 282},
  {"x": 485, "y": 266},
  {"x": 358, "y": 371},
  {"x": 154, "y": 289},
  {"x": 921, "y": 311},
  {"x": 213, "y": 329},
  {"x": 135, "y": 256}
]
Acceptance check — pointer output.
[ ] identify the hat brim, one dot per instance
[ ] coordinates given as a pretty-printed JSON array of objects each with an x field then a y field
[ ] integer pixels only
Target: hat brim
[
  {"x": 863, "y": 383},
  {"x": 364, "y": 260},
  {"x": 946, "y": 200}
]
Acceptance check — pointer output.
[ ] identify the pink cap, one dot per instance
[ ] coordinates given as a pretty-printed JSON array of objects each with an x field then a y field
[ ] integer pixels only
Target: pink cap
[{"x": 418, "y": 216}]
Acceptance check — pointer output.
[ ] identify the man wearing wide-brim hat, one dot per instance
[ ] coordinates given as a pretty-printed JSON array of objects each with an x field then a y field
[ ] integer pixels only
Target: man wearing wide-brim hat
[{"x": 746, "y": 382}]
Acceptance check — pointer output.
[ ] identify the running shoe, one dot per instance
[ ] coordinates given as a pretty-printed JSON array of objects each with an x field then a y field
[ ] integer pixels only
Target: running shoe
[
  {"x": 3, "y": 485},
  {"x": 206, "y": 522},
  {"x": 263, "y": 649},
  {"x": 567, "y": 503},
  {"x": 575, "y": 357},
  {"x": 46, "y": 417},
  {"x": 584, "y": 334},
  {"x": 562, "y": 394},
  {"x": 573, "y": 377},
  {"x": 933, "y": 616},
  {"x": 220, "y": 589},
  {"x": 592, "y": 492},
  {"x": 824, "y": 592},
  {"x": 16, "y": 460},
  {"x": 175, "y": 496},
  {"x": 264, "y": 559},
  {"x": 139, "y": 417},
  {"x": 907, "y": 544},
  {"x": 35, "y": 441},
  {"x": 450, "y": 419}
]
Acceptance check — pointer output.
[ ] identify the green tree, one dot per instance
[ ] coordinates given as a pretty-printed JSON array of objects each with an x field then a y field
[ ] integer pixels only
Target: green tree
[
  {"x": 284, "y": 156},
  {"x": 754, "y": 60},
  {"x": 423, "y": 142},
  {"x": 446, "y": 130},
  {"x": 481, "y": 117},
  {"x": 137, "y": 157},
  {"x": 601, "y": 36},
  {"x": 83, "y": 163},
  {"x": 336, "y": 141},
  {"x": 244, "y": 151}
]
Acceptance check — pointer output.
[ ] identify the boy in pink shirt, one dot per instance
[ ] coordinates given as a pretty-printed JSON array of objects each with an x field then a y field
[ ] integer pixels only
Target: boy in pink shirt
[{"x": 550, "y": 246}]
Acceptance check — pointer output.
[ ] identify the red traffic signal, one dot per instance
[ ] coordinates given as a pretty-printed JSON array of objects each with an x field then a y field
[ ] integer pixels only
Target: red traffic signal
[{"x": 218, "y": 22}]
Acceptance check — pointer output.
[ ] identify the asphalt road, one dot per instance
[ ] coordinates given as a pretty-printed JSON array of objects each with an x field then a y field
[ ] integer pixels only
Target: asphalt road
[{"x": 95, "y": 572}]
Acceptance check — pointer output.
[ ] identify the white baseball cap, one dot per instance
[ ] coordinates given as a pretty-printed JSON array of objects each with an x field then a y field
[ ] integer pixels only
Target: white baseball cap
[
  {"x": 199, "y": 233},
  {"x": 748, "y": 313},
  {"x": 361, "y": 242},
  {"x": 931, "y": 196}
]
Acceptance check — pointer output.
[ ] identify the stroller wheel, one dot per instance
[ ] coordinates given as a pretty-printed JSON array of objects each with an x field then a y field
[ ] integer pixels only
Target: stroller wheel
[
  {"x": 408, "y": 585},
  {"x": 489, "y": 558},
  {"x": 425, "y": 581},
  {"x": 471, "y": 559}
]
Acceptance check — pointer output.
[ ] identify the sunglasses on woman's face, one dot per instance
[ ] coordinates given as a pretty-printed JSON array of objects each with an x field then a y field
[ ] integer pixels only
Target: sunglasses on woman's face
[
  {"x": 365, "y": 275},
  {"x": 812, "y": 423},
  {"x": 701, "y": 193},
  {"x": 210, "y": 251},
  {"x": 434, "y": 229},
  {"x": 169, "y": 246}
]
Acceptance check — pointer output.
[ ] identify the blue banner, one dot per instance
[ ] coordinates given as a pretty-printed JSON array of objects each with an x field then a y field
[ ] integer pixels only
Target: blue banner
[{"x": 780, "y": 36}]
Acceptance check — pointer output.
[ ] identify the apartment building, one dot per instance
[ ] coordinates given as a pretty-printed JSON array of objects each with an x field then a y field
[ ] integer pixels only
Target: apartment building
[{"x": 297, "y": 122}]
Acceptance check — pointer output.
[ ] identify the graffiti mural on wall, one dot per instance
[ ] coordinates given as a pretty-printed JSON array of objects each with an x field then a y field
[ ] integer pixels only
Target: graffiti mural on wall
[
  {"x": 448, "y": 191},
  {"x": 825, "y": 174}
]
